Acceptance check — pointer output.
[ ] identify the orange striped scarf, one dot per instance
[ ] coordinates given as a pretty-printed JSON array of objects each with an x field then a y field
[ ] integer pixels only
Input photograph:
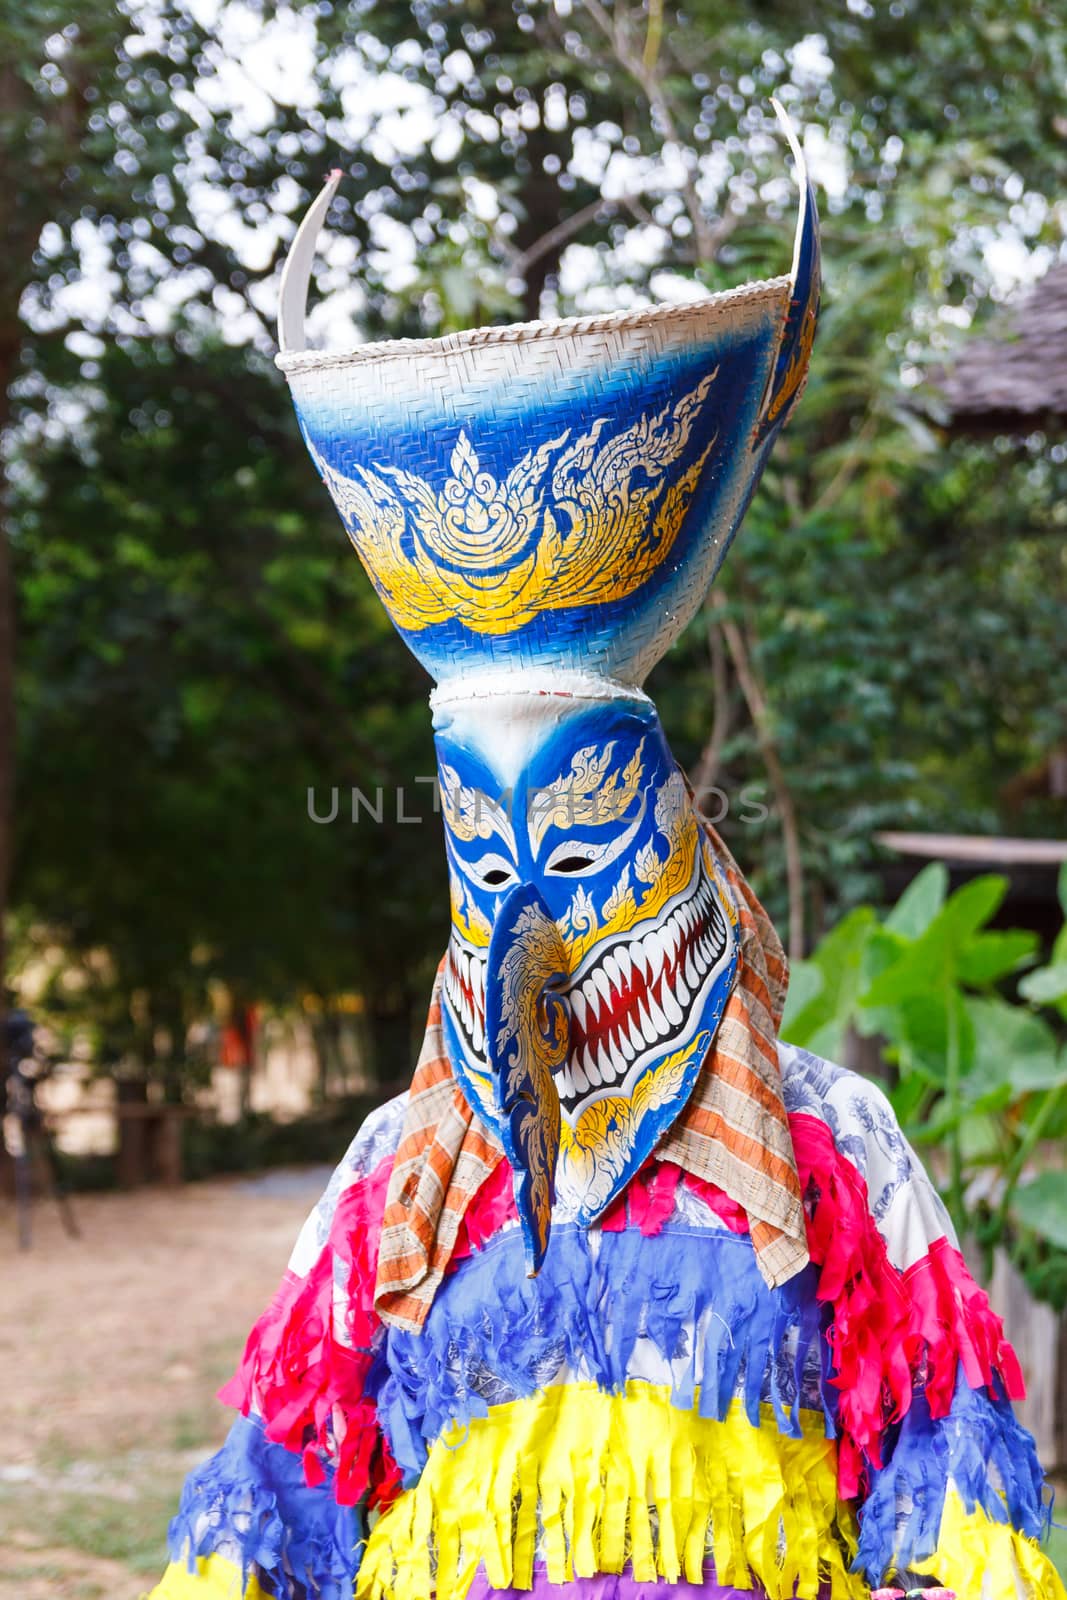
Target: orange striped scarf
[{"x": 732, "y": 1132}]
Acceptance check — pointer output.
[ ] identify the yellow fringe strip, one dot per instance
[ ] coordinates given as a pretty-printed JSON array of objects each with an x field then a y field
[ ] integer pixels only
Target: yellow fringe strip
[
  {"x": 614, "y": 1477},
  {"x": 976, "y": 1555},
  {"x": 214, "y": 1579}
]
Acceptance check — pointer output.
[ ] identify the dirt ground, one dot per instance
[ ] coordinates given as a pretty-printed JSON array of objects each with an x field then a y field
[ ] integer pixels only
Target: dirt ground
[{"x": 111, "y": 1350}]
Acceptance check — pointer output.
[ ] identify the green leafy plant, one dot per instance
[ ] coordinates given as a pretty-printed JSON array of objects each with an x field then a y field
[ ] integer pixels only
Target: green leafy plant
[{"x": 973, "y": 1072}]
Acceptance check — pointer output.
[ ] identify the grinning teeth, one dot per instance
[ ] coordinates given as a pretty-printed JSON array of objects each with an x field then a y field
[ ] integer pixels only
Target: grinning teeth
[
  {"x": 673, "y": 958},
  {"x": 655, "y": 953},
  {"x": 659, "y": 1021},
  {"x": 618, "y": 1061},
  {"x": 670, "y": 1005},
  {"x": 478, "y": 1037}
]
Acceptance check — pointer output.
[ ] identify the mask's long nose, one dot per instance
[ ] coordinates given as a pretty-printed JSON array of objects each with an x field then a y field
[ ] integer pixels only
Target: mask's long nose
[{"x": 527, "y": 1030}]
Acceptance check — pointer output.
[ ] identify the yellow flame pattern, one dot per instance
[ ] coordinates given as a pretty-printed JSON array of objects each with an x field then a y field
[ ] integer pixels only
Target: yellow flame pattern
[{"x": 572, "y": 524}]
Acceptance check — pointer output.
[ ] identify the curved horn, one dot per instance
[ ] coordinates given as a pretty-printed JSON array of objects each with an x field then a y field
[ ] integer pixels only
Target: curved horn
[
  {"x": 798, "y": 333},
  {"x": 803, "y": 182},
  {"x": 296, "y": 274}
]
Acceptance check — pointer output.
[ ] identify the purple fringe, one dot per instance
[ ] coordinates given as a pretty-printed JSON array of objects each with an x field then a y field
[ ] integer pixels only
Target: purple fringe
[{"x": 620, "y": 1586}]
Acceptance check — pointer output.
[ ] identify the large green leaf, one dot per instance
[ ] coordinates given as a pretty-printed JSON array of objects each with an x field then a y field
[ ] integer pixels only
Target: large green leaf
[
  {"x": 800, "y": 1017},
  {"x": 988, "y": 957},
  {"x": 1012, "y": 1048},
  {"x": 920, "y": 902},
  {"x": 1045, "y": 986},
  {"x": 821, "y": 1018},
  {"x": 933, "y": 959},
  {"x": 922, "y": 1034},
  {"x": 1042, "y": 1205}
]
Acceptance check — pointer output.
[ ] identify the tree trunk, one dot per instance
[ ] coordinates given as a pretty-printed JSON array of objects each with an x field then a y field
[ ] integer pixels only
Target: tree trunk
[
  {"x": 9, "y": 347},
  {"x": 132, "y": 1163}
]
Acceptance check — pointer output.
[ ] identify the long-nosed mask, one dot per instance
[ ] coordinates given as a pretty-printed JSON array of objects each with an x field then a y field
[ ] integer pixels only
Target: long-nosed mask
[
  {"x": 592, "y": 946},
  {"x": 541, "y": 509}
]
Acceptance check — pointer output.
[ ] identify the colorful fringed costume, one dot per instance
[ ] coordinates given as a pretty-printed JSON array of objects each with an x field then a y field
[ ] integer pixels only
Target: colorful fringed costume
[{"x": 625, "y": 1296}]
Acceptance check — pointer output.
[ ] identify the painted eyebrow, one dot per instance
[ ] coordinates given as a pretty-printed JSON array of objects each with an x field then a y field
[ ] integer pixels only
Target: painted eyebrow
[
  {"x": 459, "y": 800},
  {"x": 601, "y": 782}
]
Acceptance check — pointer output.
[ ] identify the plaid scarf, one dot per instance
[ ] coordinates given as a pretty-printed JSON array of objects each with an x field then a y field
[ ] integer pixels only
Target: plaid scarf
[{"x": 732, "y": 1132}]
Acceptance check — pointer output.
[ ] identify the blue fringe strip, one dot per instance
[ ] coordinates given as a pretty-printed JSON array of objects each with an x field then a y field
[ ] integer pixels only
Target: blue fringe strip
[
  {"x": 250, "y": 1504},
  {"x": 986, "y": 1452},
  {"x": 495, "y": 1335}
]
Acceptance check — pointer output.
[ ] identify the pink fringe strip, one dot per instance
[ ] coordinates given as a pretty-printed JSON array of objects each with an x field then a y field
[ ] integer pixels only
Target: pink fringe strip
[
  {"x": 901, "y": 1594},
  {"x": 491, "y": 1208},
  {"x": 951, "y": 1313},
  {"x": 306, "y": 1383},
  {"x": 889, "y": 1328}
]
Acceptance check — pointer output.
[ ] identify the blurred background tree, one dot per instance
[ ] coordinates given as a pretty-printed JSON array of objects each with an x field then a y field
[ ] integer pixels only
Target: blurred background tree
[{"x": 196, "y": 646}]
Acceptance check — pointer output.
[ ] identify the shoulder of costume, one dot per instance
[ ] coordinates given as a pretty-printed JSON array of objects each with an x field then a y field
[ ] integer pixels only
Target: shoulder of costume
[
  {"x": 828, "y": 1101},
  {"x": 371, "y": 1152}
]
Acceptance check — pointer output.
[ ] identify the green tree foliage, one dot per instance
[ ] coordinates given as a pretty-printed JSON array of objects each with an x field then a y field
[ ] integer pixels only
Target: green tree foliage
[
  {"x": 197, "y": 647},
  {"x": 974, "y": 1072}
]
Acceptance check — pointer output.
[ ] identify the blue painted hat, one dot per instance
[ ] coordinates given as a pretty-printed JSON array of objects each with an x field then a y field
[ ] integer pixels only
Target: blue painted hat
[{"x": 553, "y": 496}]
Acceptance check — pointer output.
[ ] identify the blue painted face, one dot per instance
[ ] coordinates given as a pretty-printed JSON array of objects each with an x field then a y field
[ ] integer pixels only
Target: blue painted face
[{"x": 576, "y": 811}]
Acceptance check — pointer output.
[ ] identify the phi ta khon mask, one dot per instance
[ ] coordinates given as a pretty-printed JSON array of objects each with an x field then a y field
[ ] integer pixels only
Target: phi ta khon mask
[{"x": 541, "y": 509}]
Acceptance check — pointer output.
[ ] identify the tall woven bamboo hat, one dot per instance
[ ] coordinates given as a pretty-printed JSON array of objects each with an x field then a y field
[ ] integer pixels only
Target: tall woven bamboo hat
[{"x": 553, "y": 496}]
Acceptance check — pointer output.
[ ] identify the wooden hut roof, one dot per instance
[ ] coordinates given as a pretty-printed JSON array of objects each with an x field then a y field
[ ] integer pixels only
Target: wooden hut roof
[{"x": 1014, "y": 380}]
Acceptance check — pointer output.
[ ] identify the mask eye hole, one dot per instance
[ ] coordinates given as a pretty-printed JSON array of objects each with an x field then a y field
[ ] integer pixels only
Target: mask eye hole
[
  {"x": 575, "y": 856},
  {"x": 493, "y": 871},
  {"x": 573, "y": 863}
]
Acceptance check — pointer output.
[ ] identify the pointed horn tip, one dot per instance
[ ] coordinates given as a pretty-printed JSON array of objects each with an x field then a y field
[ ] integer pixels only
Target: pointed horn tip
[
  {"x": 786, "y": 124},
  {"x": 335, "y": 175}
]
